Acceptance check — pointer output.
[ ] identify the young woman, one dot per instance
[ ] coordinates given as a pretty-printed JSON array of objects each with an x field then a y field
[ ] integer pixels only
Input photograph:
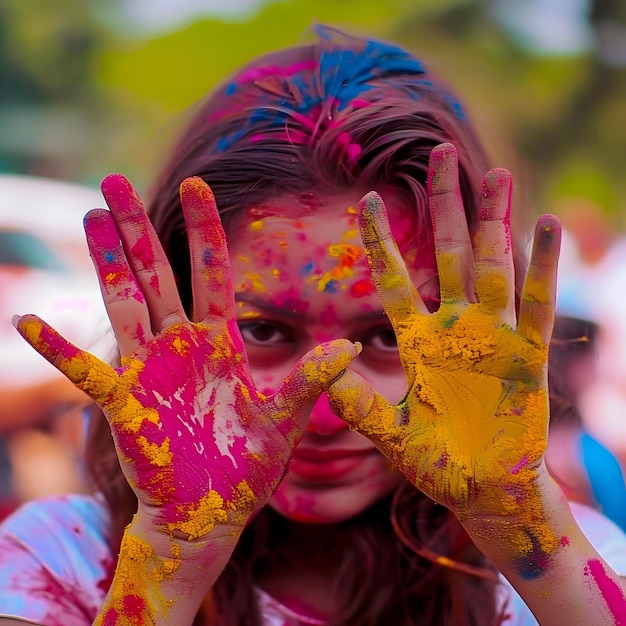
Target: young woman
[{"x": 341, "y": 417}]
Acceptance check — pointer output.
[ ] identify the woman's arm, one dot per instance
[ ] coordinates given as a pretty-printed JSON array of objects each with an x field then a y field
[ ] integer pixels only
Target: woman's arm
[
  {"x": 471, "y": 432},
  {"x": 202, "y": 449}
]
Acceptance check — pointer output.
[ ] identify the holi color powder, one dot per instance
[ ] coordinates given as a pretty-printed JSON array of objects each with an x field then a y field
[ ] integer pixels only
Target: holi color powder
[{"x": 611, "y": 592}]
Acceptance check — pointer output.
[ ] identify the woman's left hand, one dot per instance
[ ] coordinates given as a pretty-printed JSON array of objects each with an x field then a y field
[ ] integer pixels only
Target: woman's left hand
[{"x": 471, "y": 431}]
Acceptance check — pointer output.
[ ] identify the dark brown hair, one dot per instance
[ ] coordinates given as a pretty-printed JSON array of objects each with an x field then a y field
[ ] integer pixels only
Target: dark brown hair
[{"x": 341, "y": 114}]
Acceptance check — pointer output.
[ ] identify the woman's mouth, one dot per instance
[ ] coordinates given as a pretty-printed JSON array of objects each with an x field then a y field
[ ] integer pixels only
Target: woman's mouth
[{"x": 326, "y": 464}]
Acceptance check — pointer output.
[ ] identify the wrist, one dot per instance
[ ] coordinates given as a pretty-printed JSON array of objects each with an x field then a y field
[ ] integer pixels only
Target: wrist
[{"x": 162, "y": 579}]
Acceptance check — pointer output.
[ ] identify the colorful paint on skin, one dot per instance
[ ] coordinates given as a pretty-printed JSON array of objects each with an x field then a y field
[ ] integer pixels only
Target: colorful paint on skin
[
  {"x": 470, "y": 402},
  {"x": 113, "y": 270},
  {"x": 318, "y": 95},
  {"x": 206, "y": 447},
  {"x": 612, "y": 594},
  {"x": 182, "y": 430},
  {"x": 139, "y": 576}
]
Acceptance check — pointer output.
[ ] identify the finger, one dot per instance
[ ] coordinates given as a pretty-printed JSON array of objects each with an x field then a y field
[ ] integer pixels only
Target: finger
[
  {"x": 211, "y": 276},
  {"x": 310, "y": 376},
  {"x": 144, "y": 252},
  {"x": 453, "y": 246},
  {"x": 93, "y": 376},
  {"x": 494, "y": 271},
  {"x": 538, "y": 300},
  {"x": 355, "y": 401},
  {"x": 393, "y": 283},
  {"x": 122, "y": 296}
]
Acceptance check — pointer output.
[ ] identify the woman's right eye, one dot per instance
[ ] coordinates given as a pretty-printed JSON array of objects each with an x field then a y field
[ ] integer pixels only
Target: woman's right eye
[{"x": 263, "y": 333}]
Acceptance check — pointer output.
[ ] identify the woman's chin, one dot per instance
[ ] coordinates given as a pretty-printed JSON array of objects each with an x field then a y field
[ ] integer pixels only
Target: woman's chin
[{"x": 329, "y": 502}]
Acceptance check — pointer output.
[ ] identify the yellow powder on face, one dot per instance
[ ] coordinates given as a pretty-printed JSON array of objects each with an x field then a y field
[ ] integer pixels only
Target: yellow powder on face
[
  {"x": 249, "y": 315},
  {"x": 276, "y": 273},
  {"x": 202, "y": 518},
  {"x": 351, "y": 210},
  {"x": 256, "y": 225},
  {"x": 253, "y": 282}
]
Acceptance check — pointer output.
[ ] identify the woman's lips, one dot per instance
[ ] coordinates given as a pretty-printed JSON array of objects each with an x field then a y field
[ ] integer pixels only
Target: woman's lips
[{"x": 326, "y": 464}]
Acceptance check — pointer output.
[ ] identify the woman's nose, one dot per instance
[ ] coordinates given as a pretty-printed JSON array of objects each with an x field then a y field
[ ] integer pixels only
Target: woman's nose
[{"x": 323, "y": 421}]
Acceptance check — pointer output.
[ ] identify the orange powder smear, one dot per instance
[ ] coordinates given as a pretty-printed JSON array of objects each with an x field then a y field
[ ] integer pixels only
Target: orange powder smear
[{"x": 347, "y": 255}]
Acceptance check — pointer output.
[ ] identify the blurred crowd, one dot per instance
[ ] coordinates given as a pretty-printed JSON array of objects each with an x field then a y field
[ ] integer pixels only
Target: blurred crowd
[{"x": 44, "y": 269}]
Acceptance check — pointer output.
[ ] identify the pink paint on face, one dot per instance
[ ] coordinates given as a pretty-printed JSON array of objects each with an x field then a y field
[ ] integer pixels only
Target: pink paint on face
[
  {"x": 318, "y": 288},
  {"x": 611, "y": 592}
]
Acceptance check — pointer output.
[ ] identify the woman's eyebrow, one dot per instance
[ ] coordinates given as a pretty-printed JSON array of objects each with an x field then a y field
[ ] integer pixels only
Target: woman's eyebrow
[{"x": 296, "y": 312}]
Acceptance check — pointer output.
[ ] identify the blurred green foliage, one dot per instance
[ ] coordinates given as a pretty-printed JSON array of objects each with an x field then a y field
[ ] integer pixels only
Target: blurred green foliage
[{"x": 79, "y": 99}]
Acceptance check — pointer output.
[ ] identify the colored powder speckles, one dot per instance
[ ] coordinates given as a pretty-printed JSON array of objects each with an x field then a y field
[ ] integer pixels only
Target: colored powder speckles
[
  {"x": 476, "y": 398},
  {"x": 243, "y": 502},
  {"x": 307, "y": 269},
  {"x": 142, "y": 250},
  {"x": 159, "y": 455},
  {"x": 139, "y": 574},
  {"x": 347, "y": 255},
  {"x": 252, "y": 281},
  {"x": 610, "y": 590},
  {"x": 362, "y": 287},
  {"x": 201, "y": 519},
  {"x": 535, "y": 562}
]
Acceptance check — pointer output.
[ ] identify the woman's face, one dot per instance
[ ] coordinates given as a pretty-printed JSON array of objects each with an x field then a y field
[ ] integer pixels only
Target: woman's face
[{"x": 301, "y": 277}]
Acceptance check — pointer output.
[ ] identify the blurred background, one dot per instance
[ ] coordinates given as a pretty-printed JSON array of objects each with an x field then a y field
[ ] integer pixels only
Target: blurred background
[{"x": 88, "y": 87}]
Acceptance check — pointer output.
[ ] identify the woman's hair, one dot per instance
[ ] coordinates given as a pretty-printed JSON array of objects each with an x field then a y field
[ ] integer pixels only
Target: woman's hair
[{"x": 341, "y": 114}]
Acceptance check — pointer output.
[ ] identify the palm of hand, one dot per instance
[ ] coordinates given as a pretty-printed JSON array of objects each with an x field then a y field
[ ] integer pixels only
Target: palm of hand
[
  {"x": 471, "y": 431},
  {"x": 476, "y": 410},
  {"x": 196, "y": 441},
  {"x": 195, "y": 438}
]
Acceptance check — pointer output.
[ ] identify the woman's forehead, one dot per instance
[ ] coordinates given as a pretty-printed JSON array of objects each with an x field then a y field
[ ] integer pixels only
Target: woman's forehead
[{"x": 337, "y": 214}]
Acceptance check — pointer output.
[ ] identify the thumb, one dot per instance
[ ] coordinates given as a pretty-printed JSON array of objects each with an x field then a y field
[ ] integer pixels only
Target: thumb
[
  {"x": 365, "y": 410},
  {"x": 309, "y": 377},
  {"x": 93, "y": 376}
]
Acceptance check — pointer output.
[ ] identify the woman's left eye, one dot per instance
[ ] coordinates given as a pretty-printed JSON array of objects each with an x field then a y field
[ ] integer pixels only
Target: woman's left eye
[
  {"x": 383, "y": 339},
  {"x": 262, "y": 333}
]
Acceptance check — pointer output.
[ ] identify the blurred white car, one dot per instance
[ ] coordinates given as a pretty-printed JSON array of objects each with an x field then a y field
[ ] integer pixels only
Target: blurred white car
[{"x": 45, "y": 269}]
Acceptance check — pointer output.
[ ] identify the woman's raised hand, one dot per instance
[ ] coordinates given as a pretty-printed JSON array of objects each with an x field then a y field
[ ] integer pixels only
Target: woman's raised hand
[
  {"x": 198, "y": 444},
  {"x": 471, "y": 431}
]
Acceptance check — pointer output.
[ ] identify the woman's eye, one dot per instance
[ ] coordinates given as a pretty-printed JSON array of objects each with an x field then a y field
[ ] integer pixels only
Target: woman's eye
[
  {"x": 262, "y": 333},
  {"x": 383, "y": 339}
]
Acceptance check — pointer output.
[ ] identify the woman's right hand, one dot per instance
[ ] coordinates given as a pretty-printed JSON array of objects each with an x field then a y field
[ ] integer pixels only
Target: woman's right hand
[{"x": 199, "y": 445}]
